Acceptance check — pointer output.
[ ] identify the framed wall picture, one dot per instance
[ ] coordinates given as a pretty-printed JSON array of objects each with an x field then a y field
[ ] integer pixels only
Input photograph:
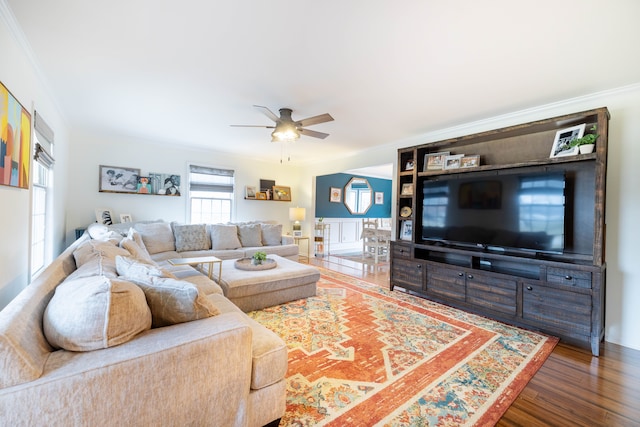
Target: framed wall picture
[
  {"x": 281, "y": 193},
  {"x": 117, "y": 179},
  {"x": 261, "y": 195},
  {"x": 104, "y": 216},
  {"x": 561, "y": 144},
  {"x": 249, "y": 192},
  {"x": 379, "y": 198},
  {"x": 434, "y": 161},
  {"x": 452, "y": 162},
  {"x": 407, "y": 190},
  {"x": 335, "y": 195},
  {"x": 125, "y": 218},
  {"x": 165, "y": 184},
  {"x": 15, "y": 142},
  {"x": 144, "y": 185},
  {"x": 470, "y": 161},
  {"x": 406, "y": 230}
]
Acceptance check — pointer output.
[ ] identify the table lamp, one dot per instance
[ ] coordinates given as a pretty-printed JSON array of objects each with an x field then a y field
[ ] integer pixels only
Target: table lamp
[{"x": 296, "y": 215}]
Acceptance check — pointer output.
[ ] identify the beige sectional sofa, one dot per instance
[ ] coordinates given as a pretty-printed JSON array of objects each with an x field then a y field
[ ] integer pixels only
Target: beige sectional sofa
[{"x": 114, "y": 368}]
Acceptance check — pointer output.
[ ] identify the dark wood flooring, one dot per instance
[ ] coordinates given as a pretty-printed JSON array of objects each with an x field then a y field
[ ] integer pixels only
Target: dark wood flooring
[{"x": 573, "y": 388}]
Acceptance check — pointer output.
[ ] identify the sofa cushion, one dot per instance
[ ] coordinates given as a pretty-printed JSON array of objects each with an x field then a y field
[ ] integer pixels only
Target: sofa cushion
[
  {"x": 157, "y": 237},
  {"x": 191, "y": 237},
  {"x": 134, "y": 244},
  {"x": 271, "y": 234},
  {"x": 250, "y": 235},
  {"x": 95, "y": 312},
  {"x": 174, "y": 301},
  {"x": 224, "y": 236},
  {"x": 134, "y": 269},
  {"x": 97, "y": 258}
]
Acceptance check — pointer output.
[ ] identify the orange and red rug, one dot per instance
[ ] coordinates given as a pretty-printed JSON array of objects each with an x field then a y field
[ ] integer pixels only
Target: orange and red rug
[{"x": 360, "y": 355}]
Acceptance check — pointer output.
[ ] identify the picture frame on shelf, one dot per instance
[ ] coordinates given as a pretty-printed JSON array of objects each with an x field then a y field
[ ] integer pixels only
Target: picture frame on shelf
[
  {"x": 281, "y": 193},
  {"x": 407, "y": 189},
  {"x": 406, "y": 230},
  {"x": 117, "y": 179},
  {"x": 470, "y": 161},
  {"x": 452, "y": 162},
  {"x": 561, "y": 144},
  {"x": 434, "y": 161},
  {"x": 379, "y": 198},
  {"x": 409, "y": 165},
  {"x": 261, "y": 195},
  {"x": 335, "y": 195},
  {"x": 144, "y": 185},
  {"x": 165, "y": 184},
  {"x": 125, "y": 218},
  {"x": 104, "y": 216},
  {"x": 250, "y": 192}
]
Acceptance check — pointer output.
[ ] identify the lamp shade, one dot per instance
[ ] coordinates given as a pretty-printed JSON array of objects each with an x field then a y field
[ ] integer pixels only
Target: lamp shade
[{"x": 297, "y": 214}]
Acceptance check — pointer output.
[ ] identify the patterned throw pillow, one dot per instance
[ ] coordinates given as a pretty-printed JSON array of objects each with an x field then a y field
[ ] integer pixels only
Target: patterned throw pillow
[{"x": 193, "y": 237}]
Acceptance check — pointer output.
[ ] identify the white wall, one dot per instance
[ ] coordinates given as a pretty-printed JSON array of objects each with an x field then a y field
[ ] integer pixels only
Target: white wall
[
  {"x": 89, "y": 151},
  {"x": 623, "y": 197},
  {"x": 19, "y": 75}
]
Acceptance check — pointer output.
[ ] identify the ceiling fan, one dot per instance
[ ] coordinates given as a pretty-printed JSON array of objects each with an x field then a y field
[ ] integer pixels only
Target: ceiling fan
[{"x": 288, "y": 130}]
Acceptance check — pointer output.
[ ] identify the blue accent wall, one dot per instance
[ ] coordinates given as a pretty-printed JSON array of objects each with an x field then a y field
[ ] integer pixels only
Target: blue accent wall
[{"x": 327, "y": 209}]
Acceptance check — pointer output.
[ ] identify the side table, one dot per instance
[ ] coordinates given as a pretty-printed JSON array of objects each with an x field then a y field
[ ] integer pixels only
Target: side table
[
  {"x": 198, "y": 261},
  {"x": 297, "y": 242}
]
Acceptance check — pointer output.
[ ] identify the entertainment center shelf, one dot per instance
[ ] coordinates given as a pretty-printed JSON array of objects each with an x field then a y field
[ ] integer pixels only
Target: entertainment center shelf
[{"x": 550, "y": 278}]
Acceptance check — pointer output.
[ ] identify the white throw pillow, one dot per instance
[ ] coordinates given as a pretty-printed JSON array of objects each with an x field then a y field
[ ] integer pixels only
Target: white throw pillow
[
  {"x": 134, "y": 244},
  {"x": 250, "y": 235},
  {"x": 191, "y": 237},
  {"x": 131, "y": 268},
  {"x": 224, "y": 236},
  {"x": 157, "y": 237},
  {"x": 174, "y": 301},
  {"x": 271, "y": 234},
  {"x": 96, "y": 258},
  {"x": 95, "y": 312}
]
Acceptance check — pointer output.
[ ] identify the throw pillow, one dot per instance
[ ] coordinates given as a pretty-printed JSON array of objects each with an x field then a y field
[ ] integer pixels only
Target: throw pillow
[
  {"x": 174, "y": 301},
  {"x": 133, "y": 269},
  {"x": 134, "y": 244},
  {"x": 97, "y": 258},
  {"x": 224, "y": 236},
  {"x": 271, "y": 234},
  {"x": 157, "y": 237},
  {"x": 191, "y": 237},
  {"x": 95, "y": 312},
  {"x": 250, "y": 235}
]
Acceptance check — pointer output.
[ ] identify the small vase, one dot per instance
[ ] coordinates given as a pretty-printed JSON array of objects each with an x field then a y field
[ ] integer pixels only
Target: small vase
[
  {"x": 587, "y": 148},
  {"x": 256, "y": 261}
]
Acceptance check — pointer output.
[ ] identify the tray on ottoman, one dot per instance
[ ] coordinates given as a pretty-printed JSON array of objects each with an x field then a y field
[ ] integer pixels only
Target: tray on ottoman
[
  {"x": 255, "y": 290},
  {"x": 247, "y": 264}
]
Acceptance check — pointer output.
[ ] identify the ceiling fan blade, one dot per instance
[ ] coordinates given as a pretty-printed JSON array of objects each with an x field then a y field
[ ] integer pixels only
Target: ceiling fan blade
[
  {"x": 252, "y": 126},
  {"x": 322, "y": 118},
  {"x": 267, "y": 113},
  {"x": 313, "y": 133}
]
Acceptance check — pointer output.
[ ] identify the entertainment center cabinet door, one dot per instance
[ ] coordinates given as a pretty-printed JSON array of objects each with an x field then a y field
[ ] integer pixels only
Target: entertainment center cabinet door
[
  {"x": 493, "y": 293},
  {"x": 446, "y": 283},
  {"x": 408, "y": 274}
]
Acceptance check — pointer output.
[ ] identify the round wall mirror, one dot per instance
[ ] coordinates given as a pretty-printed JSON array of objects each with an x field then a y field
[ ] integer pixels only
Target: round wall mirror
[{"x": 357, "y": 196}]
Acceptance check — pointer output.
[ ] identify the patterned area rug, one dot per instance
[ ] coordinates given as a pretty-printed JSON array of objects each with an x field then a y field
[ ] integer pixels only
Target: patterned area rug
[{"x": 360, "y": 355}]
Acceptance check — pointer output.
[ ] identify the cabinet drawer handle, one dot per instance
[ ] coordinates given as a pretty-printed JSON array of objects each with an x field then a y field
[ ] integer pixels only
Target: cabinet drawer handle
[
  {"x": 529, "y": 288},
  {"x": 470, "y": 276},
  {"x": 568, "y": 277},
  {"x": 460, "y": 274},
  {"x": 419, "y": 266},
  {"x": 401, "y": 251}
]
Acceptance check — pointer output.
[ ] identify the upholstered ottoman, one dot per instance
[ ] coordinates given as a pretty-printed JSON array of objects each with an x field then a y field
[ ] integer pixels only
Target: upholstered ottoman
[{"x": 254, "y": 290}]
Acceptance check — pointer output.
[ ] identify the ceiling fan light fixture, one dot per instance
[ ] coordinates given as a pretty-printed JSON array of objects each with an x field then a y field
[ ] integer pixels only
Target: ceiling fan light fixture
[{"x": 285, "y": 132}]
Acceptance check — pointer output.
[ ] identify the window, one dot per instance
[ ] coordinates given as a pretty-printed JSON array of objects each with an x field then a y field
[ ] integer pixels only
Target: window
[
  {"x": 41, "y": 193},
  {"x": 210, "y": 194}
]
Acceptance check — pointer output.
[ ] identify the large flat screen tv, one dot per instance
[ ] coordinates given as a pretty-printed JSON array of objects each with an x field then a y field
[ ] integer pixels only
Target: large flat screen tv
[{"x": 509, "y": 211}]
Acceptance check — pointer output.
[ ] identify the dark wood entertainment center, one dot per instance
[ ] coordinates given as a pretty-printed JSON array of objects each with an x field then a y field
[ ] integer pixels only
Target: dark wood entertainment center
[{"x": 559, "y": 293}]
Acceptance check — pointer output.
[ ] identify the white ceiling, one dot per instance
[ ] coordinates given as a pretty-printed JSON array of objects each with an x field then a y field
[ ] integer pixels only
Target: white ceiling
[{"x": 182, "y": 72}]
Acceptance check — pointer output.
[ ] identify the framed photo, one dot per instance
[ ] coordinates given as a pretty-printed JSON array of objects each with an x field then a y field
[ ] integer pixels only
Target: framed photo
[
  {"x": 406, "y": 230},
  {"x": 281, "y": 193},
  {"x": 335, "y": 195},
  {"x": 562, "y": 140},
  {"x": 470, "y": 161},
  {"x": 15, "y": 142},
  {"x": 104, "y": 216},
  {"x": 144, "y": 185},
  {"x": 249, "y": 192},
  {"x": 407, "y": 190},
  {"x": 379, "y": 198},
  {"x": 452, "y": 162},
  {"x": 117, "y": 179},
  {"x": 125, "y": 218},
  {"x": 262, "y": 195},
  {"x": 434, "y": 161},
  {"x": 165, "y": 184}
]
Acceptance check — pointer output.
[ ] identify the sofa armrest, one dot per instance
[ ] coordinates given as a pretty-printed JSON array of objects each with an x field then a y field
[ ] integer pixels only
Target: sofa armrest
[
  {"x": 287, "y": 240},
  {"x": 190, "y": 373}
]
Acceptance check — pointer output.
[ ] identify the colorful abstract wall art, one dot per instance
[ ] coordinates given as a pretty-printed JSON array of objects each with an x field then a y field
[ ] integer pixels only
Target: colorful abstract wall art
[{"x": 15, "y": 141}]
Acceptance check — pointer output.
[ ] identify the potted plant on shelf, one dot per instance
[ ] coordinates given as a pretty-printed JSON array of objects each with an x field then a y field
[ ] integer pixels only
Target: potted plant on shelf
[
  {"x": 587, "y": 142},
  {"x": 258, "y": 257}
]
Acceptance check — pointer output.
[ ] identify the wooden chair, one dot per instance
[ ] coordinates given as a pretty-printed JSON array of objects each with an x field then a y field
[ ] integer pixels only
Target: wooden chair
[{"x": 375, "y": 242}]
